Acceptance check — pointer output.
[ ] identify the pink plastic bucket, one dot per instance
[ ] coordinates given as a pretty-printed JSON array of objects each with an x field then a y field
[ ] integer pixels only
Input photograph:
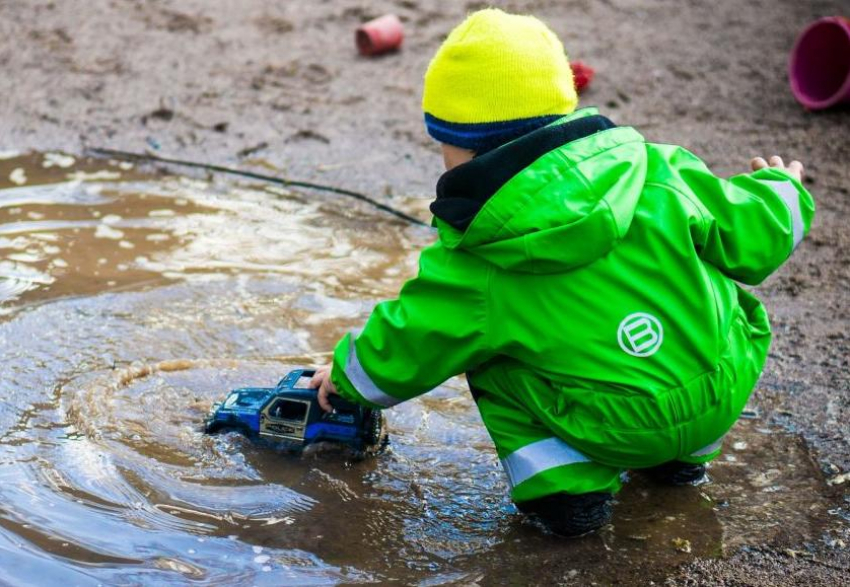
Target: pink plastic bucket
[
  {"x": 379, "y": 35},
  {"x": 820, "y": 64}
]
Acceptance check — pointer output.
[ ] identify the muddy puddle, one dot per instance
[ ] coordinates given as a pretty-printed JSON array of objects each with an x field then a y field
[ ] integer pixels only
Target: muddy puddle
[{"x": 130, "y": 302}]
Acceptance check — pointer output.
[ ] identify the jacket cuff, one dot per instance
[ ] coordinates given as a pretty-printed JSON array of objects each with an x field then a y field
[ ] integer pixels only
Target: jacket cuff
[
  {"x": 792, "y": 194},
  {"x": 352, "y": 382}
]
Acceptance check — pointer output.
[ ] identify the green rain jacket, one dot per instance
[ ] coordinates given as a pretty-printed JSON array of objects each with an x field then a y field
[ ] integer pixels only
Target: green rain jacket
[{"x": 590, "y": 275}]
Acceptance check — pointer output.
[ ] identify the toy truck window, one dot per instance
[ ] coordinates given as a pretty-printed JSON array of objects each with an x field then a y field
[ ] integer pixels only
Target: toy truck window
[
  {"x": 241, "y": 399},
  {"x": 302, "y": 383},
  {"x": 289, "y": 410},
  {"x": 246, "y": 399}
]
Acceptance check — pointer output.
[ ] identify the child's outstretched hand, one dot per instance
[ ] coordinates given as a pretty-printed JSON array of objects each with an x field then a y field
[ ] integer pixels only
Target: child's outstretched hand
[
  {"x": 795, "y": 168},
  {"x": 322, "y": 381}
]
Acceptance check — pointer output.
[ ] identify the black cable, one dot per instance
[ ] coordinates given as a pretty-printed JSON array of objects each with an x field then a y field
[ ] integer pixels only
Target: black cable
[{"x": 129, "y": 156}]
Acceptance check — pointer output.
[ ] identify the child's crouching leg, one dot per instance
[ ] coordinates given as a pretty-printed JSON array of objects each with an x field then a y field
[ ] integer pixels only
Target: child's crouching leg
[
  {"x": 548, "y": 477},
  {"x": 571, "y": 515},
  {"x": 570, "y": 500}
]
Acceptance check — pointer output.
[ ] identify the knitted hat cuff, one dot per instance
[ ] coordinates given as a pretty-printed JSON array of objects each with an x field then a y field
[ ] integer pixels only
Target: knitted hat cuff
[{"x": 483, "y": 136}]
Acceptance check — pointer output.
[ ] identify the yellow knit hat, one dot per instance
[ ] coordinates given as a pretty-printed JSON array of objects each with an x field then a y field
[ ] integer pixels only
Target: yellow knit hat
[{"x": 494, "y": 70}]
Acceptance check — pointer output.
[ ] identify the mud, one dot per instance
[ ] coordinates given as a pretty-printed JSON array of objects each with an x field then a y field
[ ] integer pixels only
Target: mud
[{"x": 220, "y": 272}]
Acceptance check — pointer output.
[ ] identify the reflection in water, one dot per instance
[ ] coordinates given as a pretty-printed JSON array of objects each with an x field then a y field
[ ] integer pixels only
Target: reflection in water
[{"x": 129, "y": 306}]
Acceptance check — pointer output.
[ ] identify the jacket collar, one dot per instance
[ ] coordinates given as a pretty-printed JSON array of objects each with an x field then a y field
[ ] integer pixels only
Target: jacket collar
[{"x": 463, "y": 191}]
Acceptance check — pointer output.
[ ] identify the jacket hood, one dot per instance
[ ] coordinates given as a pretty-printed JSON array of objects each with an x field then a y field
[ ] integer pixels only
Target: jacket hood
[{"x": 553, "y": 200}]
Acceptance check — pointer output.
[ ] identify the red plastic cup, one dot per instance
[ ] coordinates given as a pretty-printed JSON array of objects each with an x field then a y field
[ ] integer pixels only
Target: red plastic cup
[
  {"x": 380, "y": 35},
  {"x": 819, "y": 68}
]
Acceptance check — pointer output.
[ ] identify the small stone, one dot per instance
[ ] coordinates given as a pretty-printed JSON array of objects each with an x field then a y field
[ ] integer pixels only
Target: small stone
[
  {"x": 838, "y": 479},
  {"x": 57, "y": 160},
  {"x": 18, "y": 176}
]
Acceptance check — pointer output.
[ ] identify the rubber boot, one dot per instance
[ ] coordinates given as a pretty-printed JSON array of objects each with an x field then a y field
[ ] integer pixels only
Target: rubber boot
[
  {"x": 571, "y": 515},
  {"x": 678, "y": 474}
]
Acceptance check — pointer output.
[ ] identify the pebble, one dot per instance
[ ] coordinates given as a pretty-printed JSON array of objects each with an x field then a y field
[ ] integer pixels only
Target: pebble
[
  {"x": 57, "y": 160},
  {"x": 838, "y": 479},
  {"x": 18, "y": 176}
]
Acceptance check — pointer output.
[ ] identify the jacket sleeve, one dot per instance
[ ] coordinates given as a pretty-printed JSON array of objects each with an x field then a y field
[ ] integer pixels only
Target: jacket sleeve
[
  {"x": 434, "y": 330},
  {"x": 752, "y": 222}
]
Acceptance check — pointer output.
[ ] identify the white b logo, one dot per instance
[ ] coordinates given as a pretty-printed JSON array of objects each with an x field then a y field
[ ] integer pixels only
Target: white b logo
[{"x": 640, "y": 334}]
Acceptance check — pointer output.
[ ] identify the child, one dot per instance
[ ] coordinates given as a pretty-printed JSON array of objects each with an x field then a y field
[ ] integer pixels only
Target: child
[{"x": 584, "y": 280}]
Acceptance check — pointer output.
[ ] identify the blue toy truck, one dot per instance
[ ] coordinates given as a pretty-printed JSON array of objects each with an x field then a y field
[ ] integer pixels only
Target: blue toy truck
[{"x": 290, "y": 413}]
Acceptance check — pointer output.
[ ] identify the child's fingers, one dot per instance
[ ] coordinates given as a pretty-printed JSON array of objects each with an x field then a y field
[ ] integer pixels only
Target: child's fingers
[
  {"x": 796, "y": 168},
  {"x": 322, "y": 396},
  {"x": 758, "y": 163},
  {"x": 316, "y": 380},
  {"x": 318, "y": 377}
]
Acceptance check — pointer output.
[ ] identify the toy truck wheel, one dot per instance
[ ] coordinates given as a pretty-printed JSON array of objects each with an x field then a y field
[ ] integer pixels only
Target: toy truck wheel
[
  {"x": 218, "y": 427},
  {"x": 375, "y": 437}
]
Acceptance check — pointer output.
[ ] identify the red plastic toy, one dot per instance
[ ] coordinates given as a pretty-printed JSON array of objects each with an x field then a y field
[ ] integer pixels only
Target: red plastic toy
[
  {"x": 379, "y": 35},
  {"x": 582, "y": 74}
]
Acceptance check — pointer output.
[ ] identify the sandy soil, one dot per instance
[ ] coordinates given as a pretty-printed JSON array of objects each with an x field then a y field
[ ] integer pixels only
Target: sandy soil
[{"x": 263, "y": 84}]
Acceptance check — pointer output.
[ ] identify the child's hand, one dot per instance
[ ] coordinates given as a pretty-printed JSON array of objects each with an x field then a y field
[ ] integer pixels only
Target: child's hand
[
  {"x": 322, "y": 381},
  {"x": 795, "y": 168}
]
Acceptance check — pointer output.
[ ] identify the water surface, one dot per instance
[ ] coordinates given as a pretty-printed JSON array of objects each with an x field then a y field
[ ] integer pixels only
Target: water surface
[{"x": 129, "y": 302}]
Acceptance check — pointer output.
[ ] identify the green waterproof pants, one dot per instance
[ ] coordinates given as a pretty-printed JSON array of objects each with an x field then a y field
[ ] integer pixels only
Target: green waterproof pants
[
  {"x": 538, "y": 462},
  {"x": 555, "y": 438}
]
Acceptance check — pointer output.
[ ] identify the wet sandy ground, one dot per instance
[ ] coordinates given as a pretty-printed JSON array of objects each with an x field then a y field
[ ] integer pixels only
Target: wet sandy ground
[{"x": 280, "y": 86}]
